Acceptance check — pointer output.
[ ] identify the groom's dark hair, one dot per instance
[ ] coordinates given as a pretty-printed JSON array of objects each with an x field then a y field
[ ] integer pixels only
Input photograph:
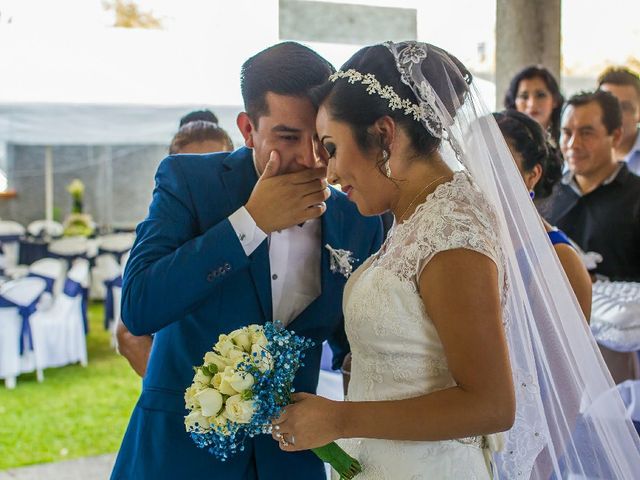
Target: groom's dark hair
[{"x": 287, "y": 68}]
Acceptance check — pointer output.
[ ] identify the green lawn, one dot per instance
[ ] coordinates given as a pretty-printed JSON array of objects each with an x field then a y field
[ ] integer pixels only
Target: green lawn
[{"x": 75, "y": 412}]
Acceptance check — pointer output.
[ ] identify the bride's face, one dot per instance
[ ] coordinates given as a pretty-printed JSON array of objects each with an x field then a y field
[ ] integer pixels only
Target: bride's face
[{"x": 352, "y": 168}]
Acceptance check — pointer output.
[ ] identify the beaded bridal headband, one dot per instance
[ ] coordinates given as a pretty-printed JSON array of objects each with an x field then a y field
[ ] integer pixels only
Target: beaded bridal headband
[{"x": 373, "y": 86}]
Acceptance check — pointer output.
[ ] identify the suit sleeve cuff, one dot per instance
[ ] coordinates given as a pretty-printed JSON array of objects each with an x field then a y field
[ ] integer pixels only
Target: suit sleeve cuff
[{"x": 249, "y": 234}]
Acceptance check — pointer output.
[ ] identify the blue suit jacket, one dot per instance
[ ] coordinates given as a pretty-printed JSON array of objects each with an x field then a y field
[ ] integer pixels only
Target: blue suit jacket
[{"x": 188, "y": 280}]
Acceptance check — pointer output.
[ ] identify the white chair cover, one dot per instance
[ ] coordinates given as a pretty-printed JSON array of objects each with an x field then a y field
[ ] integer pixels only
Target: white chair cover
[
  {"x": 69, "y": 246},
  {"x": 45, "y": 228},
  {"x": 106, "y": 267},
  {"x": 22, "y": 292},
  {"x": 10, "y": 233},
  {"x": 117, "y": 242},
  {"x": 53, "y": 269},
  {"x": 60, "y": 330},
  {"x": 330, "y": 381}
]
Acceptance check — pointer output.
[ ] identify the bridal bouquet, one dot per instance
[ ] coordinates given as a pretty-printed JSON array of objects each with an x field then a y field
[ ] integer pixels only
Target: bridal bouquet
[{"x": 245, "y": 381}]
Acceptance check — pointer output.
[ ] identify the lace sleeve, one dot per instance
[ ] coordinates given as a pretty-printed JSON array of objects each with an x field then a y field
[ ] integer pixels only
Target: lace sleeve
[
  {"x": 455, "y": 216},
  {"x": 463, "y": 226}
]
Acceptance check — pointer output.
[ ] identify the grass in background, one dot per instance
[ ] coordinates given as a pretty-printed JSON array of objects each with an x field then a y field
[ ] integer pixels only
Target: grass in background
[{"x": 75, "y": 412}]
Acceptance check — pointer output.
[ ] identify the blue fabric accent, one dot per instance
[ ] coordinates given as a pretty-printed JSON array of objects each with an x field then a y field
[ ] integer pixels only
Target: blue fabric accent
[
  {"x": 558, "y": 236},
  {"x": 73, "y": 289},
  {"x": 108, "y": 301},
  {"x": 50, "y": 281},
  {"x": 26, "y": 339}
]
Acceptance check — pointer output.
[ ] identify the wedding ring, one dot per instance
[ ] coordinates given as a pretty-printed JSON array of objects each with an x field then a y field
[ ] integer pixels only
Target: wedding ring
[{"x": 279, "y": 436}]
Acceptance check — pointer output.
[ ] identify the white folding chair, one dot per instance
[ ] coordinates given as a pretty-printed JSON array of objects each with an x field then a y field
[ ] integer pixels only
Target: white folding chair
[{"x": 19, "y": 347}]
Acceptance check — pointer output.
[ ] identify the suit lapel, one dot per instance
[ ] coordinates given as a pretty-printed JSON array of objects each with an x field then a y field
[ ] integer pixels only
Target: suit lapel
[{"x": 239, "y": 178}]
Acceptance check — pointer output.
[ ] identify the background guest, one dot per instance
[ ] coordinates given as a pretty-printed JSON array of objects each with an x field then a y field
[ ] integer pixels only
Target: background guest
[
  {"x": 534, "y": 91},
  {"x": 597, "y": 202},
  {"x": 624, "y": 84}
]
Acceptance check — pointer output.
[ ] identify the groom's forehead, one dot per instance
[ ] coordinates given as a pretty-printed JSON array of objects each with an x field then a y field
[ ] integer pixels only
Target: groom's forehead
[{"x": 289, "y": 113}]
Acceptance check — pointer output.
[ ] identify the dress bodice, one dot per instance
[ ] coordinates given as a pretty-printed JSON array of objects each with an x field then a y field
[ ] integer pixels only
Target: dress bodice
[{"x": 396, "y": 350}]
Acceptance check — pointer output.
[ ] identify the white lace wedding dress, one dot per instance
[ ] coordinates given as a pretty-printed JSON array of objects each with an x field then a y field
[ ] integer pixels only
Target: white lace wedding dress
[{"x": 396, "y": 350}]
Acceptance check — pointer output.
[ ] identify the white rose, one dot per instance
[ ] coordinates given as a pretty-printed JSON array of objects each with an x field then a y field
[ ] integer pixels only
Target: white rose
[
  {"x": 201, "y": 378},
  {"x": 225, "y": 385},
  {"x": 238, "y": 356},
  {"x": 242, "y": 338},
  {"x": 210, "y": 401},
  {"x": 215, "y": 359},
  {"x": 190, "y": 400},
  {"x": 241, "y": 381},
  {"x": 238, "y": 410},
  {"x": 262, "y": 358},
  {"x": 219, "y": 421},
  {"x": 225, "y": 346},
  {"x": 195, "y": 421},
  {"x": 257, "y": 335},
  {"x": 217, "y": 380}
]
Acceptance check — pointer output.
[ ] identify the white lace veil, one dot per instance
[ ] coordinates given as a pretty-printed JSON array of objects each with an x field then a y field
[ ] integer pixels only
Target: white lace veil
[{"x": 569, "y": 418}]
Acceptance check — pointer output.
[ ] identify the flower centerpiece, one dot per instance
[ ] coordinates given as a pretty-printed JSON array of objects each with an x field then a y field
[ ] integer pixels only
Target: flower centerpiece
[
  {"x": 77, "y": 223},
  {"x": 245, "y": 382}
]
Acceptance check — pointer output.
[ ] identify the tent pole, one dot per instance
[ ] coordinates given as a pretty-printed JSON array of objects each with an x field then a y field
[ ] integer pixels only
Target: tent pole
[{"x": 48, "y": 182}]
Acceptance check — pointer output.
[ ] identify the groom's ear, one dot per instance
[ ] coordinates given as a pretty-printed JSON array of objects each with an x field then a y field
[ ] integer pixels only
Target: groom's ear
[{"x": 246, "y": 128}]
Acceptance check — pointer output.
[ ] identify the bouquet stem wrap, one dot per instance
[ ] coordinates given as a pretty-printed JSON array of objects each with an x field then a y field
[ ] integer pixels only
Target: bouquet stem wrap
[{"x": 346, "y": 466}]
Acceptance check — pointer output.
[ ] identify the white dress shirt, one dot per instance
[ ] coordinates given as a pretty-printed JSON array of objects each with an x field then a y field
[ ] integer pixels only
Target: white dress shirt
[{"x": 294, "y": 260}]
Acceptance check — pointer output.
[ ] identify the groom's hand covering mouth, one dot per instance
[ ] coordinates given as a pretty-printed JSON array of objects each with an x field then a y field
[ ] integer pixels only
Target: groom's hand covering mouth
[{"x": 281, "y": 201}]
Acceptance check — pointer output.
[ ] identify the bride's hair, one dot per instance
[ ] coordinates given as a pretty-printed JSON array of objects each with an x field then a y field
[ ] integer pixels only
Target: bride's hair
[{"x": 350, "y": 103}]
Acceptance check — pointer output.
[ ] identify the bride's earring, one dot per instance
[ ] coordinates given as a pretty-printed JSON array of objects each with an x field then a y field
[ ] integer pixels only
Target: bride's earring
[{"x": 387, "y": 168}]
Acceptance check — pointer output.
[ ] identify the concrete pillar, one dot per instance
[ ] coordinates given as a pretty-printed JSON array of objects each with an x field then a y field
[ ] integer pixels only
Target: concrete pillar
[{"x": 527, "y": 32}]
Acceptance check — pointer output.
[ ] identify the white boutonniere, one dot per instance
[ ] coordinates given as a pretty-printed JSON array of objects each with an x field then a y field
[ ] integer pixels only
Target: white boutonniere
[{"x": 341, "y": 260}]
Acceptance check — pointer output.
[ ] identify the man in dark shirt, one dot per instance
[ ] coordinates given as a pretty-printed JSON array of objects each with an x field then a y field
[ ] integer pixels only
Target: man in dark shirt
[{"x": 597, "y": 203}]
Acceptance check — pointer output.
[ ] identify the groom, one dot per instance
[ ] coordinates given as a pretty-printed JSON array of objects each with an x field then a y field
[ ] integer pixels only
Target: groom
[{"x": 233, "y": 239}]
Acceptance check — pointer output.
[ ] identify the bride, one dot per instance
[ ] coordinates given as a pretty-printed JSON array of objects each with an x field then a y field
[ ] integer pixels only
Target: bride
[{"x": 462, "y": 326}]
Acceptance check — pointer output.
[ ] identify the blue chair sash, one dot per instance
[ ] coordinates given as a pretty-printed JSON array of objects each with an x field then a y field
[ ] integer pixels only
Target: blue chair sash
[
  {"x": 73, "y": 289},
  {"x": 10, "y": 238},
  {"x": 26, "y": 339},
  {"x": 108, "y": 301},
  {"x": 68, "y": 258},
  {"x": 50, "y": 281}
]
